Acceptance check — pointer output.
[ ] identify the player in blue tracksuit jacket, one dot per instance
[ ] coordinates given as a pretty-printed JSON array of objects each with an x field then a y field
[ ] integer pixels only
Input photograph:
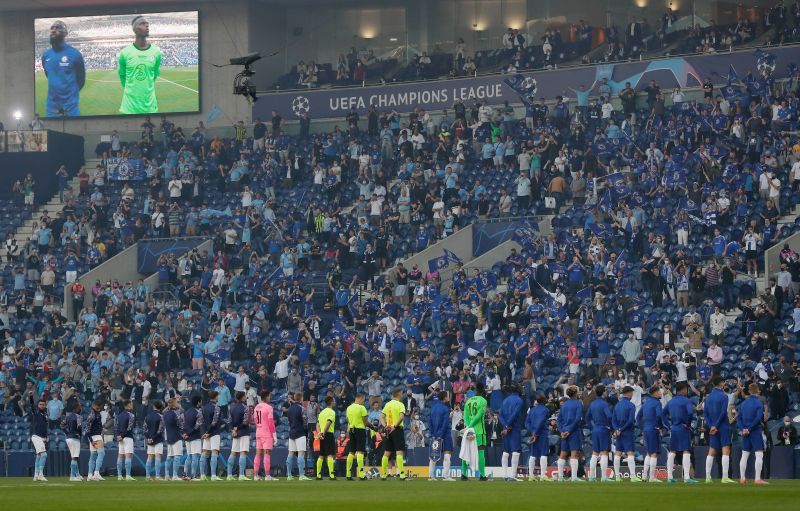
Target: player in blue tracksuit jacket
[
  {"x": 71, "y": 426},
  {"x": 649, "y": 421},
  {"x": 192, "y": 433},
  {"x": 623, "y": 420},
  {"x": 239, "y": 422},
  {"x": 123, "y": 432},
  {"x": 678, "y": 416},
  {"x": 173, "y": 430},
  {"x": 39, "y": 434},
  {"x": 598, "y": 419},
  {"x": 750, "y": 424},
  {"x": 93, "y": 431},
  {"x": 154, "y": 437},
  {"x": 212, "y": 427},
  {"x": 65, "y": 70},
  {"x": 569, "y": 426},
  {"x": 715, "y": 415},
  {"x": 439, "y": 427},
  {"x": 537, "y": 424},
  {"x": 511, "y": 420}
]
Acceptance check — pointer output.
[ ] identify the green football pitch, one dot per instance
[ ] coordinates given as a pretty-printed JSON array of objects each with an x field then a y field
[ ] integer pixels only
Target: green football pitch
[
  {"x": 176, "y": 90},
  {"x": 60, "y": 495}
]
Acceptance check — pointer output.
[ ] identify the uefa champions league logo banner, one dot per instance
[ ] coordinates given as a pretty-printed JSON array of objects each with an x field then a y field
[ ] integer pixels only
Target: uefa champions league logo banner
[{"x": 438, "y": 95}]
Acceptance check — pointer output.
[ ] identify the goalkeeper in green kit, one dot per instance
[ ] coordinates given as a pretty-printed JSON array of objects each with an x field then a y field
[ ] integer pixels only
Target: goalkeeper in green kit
[
  {"x": 139, "y": 66},
  {"x": 474, "y": 414}
]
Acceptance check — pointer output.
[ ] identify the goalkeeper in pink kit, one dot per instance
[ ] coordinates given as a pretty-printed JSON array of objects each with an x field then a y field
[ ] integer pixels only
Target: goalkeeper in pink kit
[{"x": 265, "y": 436}]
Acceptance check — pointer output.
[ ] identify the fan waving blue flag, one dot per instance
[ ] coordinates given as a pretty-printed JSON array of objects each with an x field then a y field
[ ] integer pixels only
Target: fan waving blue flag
[
  {"x": 524, "y": 86},
  {"x": 686, "y": 204},
  {"x": 602, "y": 230}
]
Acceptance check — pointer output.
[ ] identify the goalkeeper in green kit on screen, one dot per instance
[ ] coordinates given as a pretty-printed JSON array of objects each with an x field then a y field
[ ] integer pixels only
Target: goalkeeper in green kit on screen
[
  {"x": 474, "y": 414},
  {"x": 139, "y": 66}
]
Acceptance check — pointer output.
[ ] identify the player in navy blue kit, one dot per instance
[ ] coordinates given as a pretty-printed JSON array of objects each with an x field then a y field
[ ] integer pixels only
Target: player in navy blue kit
[
  {"x": 715, "y": 415},
  {"x": 123, "y": 433},
  {"x": 598, "y": 419},
  {"x": 511, "y": 420},
  {"x": 537, "y": 424},
  {"x": 649, "y": 421},
  {"x": 154, "y": 438},
  {"x": 623, "y": 420},
  {"x": 239, "y": 421},
  {"x": 439, "y": 427},
  {"x": 569, "y": 426},
  {"x": 678, "y": 416},
  {"x": 66, "y": 74},
  {"x": 212, "y": 426},
  {"x": 39, "y": 435},
  {"x": 93, "y": 431},
  {"x": 297, "y": 439},
  {"x": 750, "y": 421},
  {"x": 192, "y": 433},
  {"x": 173, "y": 429},
  {"x": 71, "y": 426}
]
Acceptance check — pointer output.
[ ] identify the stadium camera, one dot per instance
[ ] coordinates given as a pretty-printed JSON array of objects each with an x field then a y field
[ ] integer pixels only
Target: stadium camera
[{"x": 242, "y": 85}]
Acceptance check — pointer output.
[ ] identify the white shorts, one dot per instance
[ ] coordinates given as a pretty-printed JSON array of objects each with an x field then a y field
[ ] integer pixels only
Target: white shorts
[
  {"x": 211, "y": 443},
  {"x": 125, "y": 446},
  {"x": 92, "y": 440},
  {"x": 74, "y": 446},
  {"x": 240, "y": 444},
  {"x": 297, "y": 444},
  {"x": 175, "y": 449},
  {"x": 637, "y": 333},
  {"x": 38, "y": 444},
  {"x": 194, "y": 446},
  {"x": 157, "y": 449}
]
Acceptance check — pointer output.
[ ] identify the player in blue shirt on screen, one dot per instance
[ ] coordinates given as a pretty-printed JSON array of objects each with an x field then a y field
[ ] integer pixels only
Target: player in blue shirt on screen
[{"x": 66, "y": 74}]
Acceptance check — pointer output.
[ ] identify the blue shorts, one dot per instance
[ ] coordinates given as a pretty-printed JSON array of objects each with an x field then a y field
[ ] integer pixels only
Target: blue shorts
[
  {"x": 721, "y": 439},
  {"x": 541, "y": 447},
  {"x": 753, "y": 442},
  {"x": 573, "y": 442},
  {"x": 601, "y": 440},
  {"x": 625, "y": 442},
  {"x": 70, "y": 110},
  {"x": 512, "y": 442},
  {"x": 652, "y": 442},
  {"x": 680, "y": 440},
  {"x": 447, "y": 443}
]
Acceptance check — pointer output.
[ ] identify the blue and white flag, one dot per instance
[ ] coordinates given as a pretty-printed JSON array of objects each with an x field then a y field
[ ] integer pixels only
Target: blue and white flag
[
  {"x": 618, "y": 185},
  {"x": 125, "y": 169},
  {"x": 687, "y": 204},
  {"x": 605, "y": 204},
  {"x": 621, "y": 264},
  {"x": 604, "y": 231},
  {"x": 524, "y": 86},
  {"x": 289, "y": 335}
]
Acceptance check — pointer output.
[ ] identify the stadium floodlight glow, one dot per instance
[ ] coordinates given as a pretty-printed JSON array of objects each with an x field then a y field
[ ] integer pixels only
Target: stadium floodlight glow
[{"x": 17, "y": 115}]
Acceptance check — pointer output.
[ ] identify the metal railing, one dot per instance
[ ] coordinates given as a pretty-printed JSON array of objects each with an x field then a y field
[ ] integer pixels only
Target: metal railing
[{"x": 23, "y": 141}]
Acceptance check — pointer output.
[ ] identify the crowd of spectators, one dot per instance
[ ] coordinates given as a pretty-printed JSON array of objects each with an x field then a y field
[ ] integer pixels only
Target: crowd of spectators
[{"x": 663, "y": 213}]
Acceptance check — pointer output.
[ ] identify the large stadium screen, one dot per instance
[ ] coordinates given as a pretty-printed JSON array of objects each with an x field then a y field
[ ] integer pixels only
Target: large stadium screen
[{"x": 134, "y": 64}]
